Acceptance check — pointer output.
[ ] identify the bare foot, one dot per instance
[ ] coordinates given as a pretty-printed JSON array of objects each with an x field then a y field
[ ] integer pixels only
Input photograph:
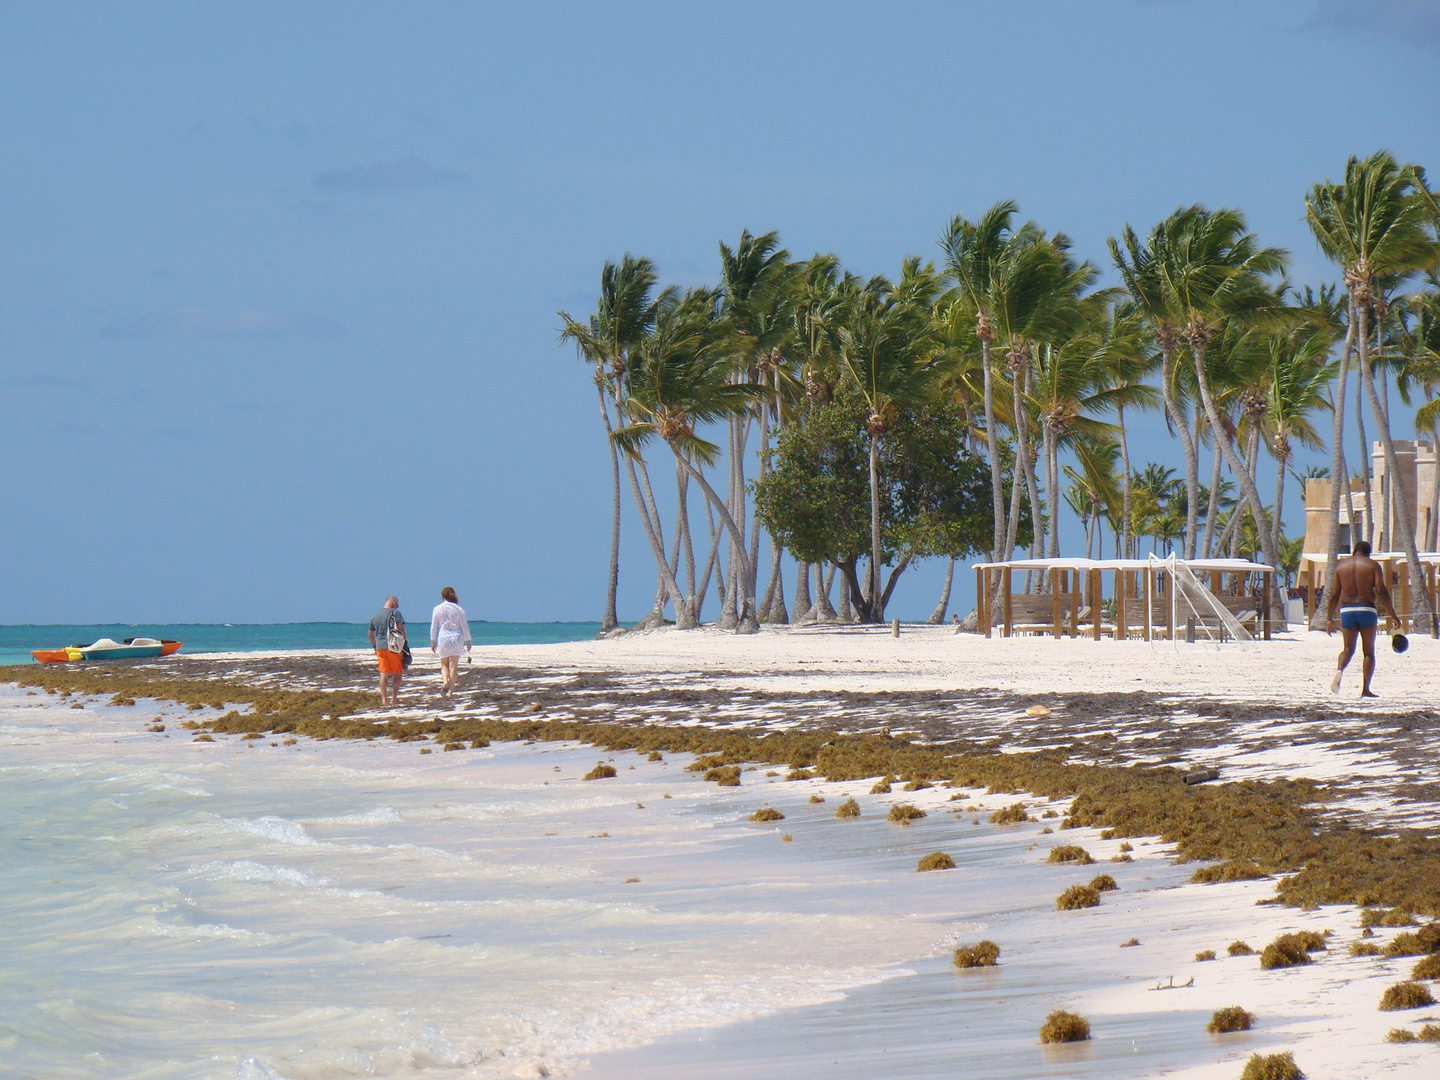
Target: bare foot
[
  {"x": 1335, "y": 682},
  {"x": 1368, "y": 693}
]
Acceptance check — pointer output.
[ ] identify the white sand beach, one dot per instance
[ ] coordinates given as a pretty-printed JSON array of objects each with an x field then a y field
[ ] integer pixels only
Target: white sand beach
[{"x": 251, "y": 909}]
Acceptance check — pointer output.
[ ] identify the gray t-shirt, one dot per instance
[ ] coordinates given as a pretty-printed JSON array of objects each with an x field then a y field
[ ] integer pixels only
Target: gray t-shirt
[{"x": 380, "y": 624}]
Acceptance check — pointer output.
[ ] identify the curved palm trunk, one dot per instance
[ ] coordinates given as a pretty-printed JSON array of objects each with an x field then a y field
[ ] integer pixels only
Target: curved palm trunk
[
  {"x": 748, "y": 623},
  {"x": 1187, "y": 444},
  {"x": 1405, "y": 509},
  {"x": 938, "y": 615},
  {"x": 608, "y": 621},
  {"x": 872, "y": 597},
  {"x": 1251, "y": 496},
  {"x": 1126, "y": 544},
  {"x": 1212, "y": 508},
  {"x": 670, "y": 586},
  {"x": 992, "y": 448},
  {"x": 1277, "y": 526},
  {"x": 1339, "y": 474},
  {"x": 802, "y": 591}
]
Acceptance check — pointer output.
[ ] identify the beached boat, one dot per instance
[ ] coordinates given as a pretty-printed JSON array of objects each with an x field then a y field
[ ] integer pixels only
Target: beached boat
[{"x": 139, "y": 648}]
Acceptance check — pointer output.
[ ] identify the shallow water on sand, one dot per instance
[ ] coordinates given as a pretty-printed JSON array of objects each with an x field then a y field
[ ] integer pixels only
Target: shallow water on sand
[{"x": 239, "y": 909}]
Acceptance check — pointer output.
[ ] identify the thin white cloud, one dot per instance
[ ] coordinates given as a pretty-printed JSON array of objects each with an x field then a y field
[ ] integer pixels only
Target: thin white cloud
[
  {"x": 401, "y": 175},
  {"x": 199, "y": 323}
]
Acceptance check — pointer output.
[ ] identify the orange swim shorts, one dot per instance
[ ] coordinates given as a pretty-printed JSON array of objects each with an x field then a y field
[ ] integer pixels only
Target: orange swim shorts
[{"x": 390, "y": 662}]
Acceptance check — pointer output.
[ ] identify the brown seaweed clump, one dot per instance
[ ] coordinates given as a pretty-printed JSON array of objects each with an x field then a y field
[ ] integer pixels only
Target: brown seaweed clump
[
  {"x": 936, "y": 860},
  {"x": 1207, "y": 954},
  {"x": 600, "y": 772},
  {"x": 1272, "y": 1067},
  {"x": 1230, "y": 870},
  {"x": 1291, "y": 950},
  {"x": 1230, "y": 1018},
  {"x": 848, "y": 809},
  {"x": 767, "y": 813},
  {"x": 817, "y": 798},
  {"x": 1392, "y": 917},
  {"x": 1406, "y": 995},
  {"x": 655, "y": 755},
  {"x": 1076, "y": 897},
  {"x": 1069, "y": 853},
  {"x": 1364, "y": 948},
  {"x": 1428, "y": 1033},
  {"x": 203, "y": 738},
  {"x": 904, "y": 813},
  {"x": 1428, "y": 968},
  {"x": 1104, "y": 883},
  {"x": 982, "y": 954},
  {"x": 800, "y": 774},
  {"x": 917, "y": 784},
  {"x": 882, "y": 786},
  {"x": 724, "y": 775},
  {"x": 1010, "y": 815},
  {"x": 1406, "y": 944},
  {"x": 1239, "y": 948},
  {"x": 1062, "y": 1027}
]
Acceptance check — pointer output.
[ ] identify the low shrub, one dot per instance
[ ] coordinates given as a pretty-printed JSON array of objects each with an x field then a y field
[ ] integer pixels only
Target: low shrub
[
  {"x": 600, "y": 772},
  {"x": 1069, "y": 853},
  {"x": 1272, "y": 1067},
  {"x": 1103, "y": 883},
  {"x": 882, "y": 786},
  {"x": 1207, "y": 954},
  {"x": 1010, "y": 815},
  {"x": 1076, "y": 897},
  {"x": 1406, "y": 995},
  {"x": 1239, "y": 948},
  {"x": 848, "y": 809},
  {"x": 767, "y": 813},
  {"x": 904, "y": 813},
  {"x": 1062, "y": 1027},
  {"x": 1230, "y": 1018},
  {"x": 937, "y": 860}
]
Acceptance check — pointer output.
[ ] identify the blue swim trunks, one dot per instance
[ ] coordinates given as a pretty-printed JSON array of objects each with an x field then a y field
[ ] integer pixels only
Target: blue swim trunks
[{"x": 1358, "y": 618}]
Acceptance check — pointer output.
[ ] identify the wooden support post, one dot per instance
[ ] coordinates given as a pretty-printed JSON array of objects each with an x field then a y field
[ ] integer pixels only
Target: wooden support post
[
  {"x": 1006, "y": 605},
  {"x": 1055, "y": 599},
  {"x": 1074, "y": 604},
  {"x": 1149, "y": 579},
  {"x": 1404, "y": 600},
  {"x": 1095, "y": 602},
  {"x": 1268, "y": 592},
  {"x": 1122, "y": 630},
  {"x": 982, "y": 601}
]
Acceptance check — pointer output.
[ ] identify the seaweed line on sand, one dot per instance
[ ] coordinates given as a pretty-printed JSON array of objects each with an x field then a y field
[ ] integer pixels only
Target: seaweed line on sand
[{"x": 1272, "y": 827}]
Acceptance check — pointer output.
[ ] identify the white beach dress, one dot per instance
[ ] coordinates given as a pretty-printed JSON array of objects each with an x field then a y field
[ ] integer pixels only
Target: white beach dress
[{"x": 449, "y": 629}]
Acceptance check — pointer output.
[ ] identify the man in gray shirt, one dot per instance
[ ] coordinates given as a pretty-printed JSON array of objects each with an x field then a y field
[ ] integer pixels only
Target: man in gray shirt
[{"x": 387, "y": 638}]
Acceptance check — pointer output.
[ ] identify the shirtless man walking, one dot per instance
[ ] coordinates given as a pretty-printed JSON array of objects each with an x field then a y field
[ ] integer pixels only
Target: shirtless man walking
[{"x": 1359, "y": 582}]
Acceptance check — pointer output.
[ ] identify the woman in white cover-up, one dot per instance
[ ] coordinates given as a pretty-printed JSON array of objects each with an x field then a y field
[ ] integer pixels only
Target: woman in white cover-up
[{"x": 449, "y": 636}]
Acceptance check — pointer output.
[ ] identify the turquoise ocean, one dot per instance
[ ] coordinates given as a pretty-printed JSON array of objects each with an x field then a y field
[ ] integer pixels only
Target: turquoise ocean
[{"x": 16, "y": 641}]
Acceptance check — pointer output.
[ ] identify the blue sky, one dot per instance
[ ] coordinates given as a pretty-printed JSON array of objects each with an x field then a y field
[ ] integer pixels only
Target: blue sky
[{"x": 278, "y": 282}]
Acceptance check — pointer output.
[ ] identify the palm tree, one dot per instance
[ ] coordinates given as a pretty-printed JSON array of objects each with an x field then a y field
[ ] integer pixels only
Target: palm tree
[
  {"x": 1300, "y": 371},
  {"x": 1375, "y": 225},
  {"x": 973, "y": 251},
  {"x": 683, "y": 379},
  {"x": 1421, "y": 345},
  {"x": 887, "y": 350},
  {"x": 1209, "y": 276},
  {"x": 1127, "y": 364},
  {"x": 1141, "y": 267},
  {"x": 624, "y": 314}
]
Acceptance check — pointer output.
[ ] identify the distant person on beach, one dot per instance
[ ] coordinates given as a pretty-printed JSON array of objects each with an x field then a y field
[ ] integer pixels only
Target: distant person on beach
[
  {"x": 1359, "y": 582},
  {"x": 449, "y": 636},
  {"x": 387, "y": 638}
]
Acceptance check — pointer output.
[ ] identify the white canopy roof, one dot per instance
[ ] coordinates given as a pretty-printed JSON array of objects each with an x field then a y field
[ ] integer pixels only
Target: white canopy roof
[{"x": 1228, "y": 566}]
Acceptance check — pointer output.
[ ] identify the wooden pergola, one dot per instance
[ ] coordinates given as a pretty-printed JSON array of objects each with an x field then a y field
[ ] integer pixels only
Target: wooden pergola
[
  {"x": 1139, "y": 607},
  {"x": 1312, "y": 577}
]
